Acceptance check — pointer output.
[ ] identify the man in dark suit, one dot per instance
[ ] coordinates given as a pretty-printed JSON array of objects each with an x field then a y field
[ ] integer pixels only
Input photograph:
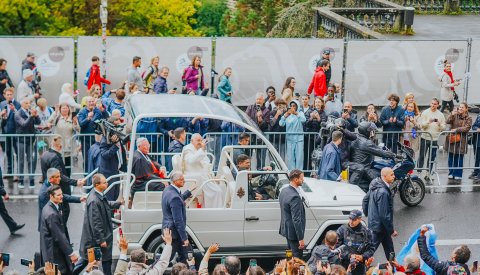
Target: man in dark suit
[
  {"x": 25, "y": 121},
  {"x": 378, "y": 207},
  {"x": 174, "y": 215},
  {"x": 53, "y": 178},
  {"x": 292, "y": 223},
  {"x": 54, "y": 243},
  {"x": 97, "y": 225},
  {"x": 12, "y": 225},
  {"x": 8, "y": 109},
  {"x": 53, "y": 159}
]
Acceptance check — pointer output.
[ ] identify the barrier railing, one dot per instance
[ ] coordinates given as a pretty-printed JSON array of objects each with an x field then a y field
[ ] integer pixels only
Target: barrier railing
[{"x": 462, "y": 153}]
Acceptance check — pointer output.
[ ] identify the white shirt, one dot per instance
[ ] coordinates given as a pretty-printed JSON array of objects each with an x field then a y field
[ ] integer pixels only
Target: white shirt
[
  {"x": 56, "y": 205},
  {"x": 101, "y": 194}
]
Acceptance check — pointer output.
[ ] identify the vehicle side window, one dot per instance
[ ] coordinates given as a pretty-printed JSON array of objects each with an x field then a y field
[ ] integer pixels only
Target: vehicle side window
[{"x": 265, "y": 186}]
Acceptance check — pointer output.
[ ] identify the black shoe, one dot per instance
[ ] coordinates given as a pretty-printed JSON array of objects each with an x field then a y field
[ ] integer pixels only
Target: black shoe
[
  {"x": 18, "y": 227},
  {"x": 473, "y": 175}
]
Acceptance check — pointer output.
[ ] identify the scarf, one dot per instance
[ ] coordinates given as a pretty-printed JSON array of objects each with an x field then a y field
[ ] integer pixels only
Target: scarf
[
  {"x": 451, "y": 78},
  {"x": 407, "y": 113}
]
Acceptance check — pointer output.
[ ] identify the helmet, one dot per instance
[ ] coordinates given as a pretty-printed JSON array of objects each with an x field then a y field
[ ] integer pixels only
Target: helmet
[
  {"x": 339, "y": 123},
  {"x": 365, "y": 128}
]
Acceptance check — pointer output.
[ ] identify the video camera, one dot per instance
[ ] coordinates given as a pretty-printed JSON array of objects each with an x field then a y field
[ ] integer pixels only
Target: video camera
[{"x": 108, "y": 129}]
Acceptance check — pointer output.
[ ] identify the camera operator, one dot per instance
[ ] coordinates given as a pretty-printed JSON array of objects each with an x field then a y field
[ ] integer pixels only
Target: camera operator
[
  {"x": 327, "y": 252},
  {"x": 358, "y": 242}
]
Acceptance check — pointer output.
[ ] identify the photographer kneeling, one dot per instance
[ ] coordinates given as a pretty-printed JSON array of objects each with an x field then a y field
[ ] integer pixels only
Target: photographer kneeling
[{"x": 326, "y": 253}]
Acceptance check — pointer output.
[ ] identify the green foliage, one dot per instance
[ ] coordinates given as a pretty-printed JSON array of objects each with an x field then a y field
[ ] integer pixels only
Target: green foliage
[{"x": 210, "y": 17}]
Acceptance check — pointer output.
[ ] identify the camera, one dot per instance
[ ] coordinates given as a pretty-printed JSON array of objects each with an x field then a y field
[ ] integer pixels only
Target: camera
[
  {"x": 258, "y": 108},
  {"x": 108, "y": 129},
  {"x": 455, "y": 96},
  {"x": 435, "y": 120}
]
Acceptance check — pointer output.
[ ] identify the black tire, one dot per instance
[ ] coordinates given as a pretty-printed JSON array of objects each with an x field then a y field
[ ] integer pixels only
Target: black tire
[
  {"x": 412, "y": 192},
  {"x": 156, "y": 245}
]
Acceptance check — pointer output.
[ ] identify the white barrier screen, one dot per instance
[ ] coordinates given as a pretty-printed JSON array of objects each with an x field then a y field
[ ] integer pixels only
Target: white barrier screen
[
  {"x": 54, "y": 60},
  {"x": 258, "y": 63},
  {"x": 376, "y": 69},
  {"x": 175, "y": 53},
  {"x": 474, "y": 82}
]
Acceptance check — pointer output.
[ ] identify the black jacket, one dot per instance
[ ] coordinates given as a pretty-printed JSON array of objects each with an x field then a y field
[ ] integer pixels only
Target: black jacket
[
  {"x": 108, "y": 159},
  {"x": 54, "y": 243},
  {"x": 311, "y": 125},
  {"x": 352, "y": 122},
  {"x": 292, "y": 223},
  {"x": 4, "y": 75},
  {"x": 357, "y": 240},
  {"x": 97, "y": 225},
  {"x": 378, "y": 207},
  {"x": 365, "y": 152},
  {"x": 25, "y": 124},
  {"x": 53, "y": 159},
  {"x": 8, "y": 125},
  {"x": 440, "y": 267}
]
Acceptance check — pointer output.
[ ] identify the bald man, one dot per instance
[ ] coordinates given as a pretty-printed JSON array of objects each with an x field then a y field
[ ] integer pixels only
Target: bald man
[
  {"x": 378, "y": 207},
  {"x": 350, "y": 116}
]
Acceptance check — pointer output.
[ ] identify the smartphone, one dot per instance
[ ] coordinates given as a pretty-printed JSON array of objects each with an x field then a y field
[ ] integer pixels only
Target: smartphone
[
  {"x": 190, "y": 256},
  {"x": 25, "y": 262},
  {"x": 97, "y": 253},
  {"x": 345, "y": 110},
  {"x": 391, "y": 257},
  {"x": 253, "y": 262},
  {"x": 74, "y": 114},
  {"x": 174, "y": 89},
  {"x": 324, "y": 261},
  {"x": 288, "y": 254},
  {"x": 382, "y": 266},
  {"x": 475, "y": 267},
  {"x": 302, "y": 269},
  {"x": 222, "y": 261},
  {"x": 5, "y": 259},
  {"x": 55, "y": 267},
  {"x": 91, "y": 255},
  {"x": 120, "y": 231},
  {"x": 435, "y": 120}
]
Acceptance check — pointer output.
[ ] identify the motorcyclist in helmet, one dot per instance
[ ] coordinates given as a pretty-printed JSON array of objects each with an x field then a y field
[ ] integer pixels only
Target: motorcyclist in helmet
[{"x": 362, "y": 153}]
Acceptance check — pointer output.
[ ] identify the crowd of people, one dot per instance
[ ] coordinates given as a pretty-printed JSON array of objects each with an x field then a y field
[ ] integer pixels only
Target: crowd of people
[{"x": 25, "y": 112}]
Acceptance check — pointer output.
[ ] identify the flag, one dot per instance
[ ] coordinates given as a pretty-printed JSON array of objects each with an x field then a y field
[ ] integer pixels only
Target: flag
[{"x": 411, "y": 248}]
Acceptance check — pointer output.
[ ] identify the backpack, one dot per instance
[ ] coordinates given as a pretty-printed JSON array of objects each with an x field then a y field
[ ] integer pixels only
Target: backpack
[{"x": 87, "y": 76}]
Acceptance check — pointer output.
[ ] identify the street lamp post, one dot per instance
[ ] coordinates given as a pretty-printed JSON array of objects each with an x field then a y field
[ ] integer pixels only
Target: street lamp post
[{"x": 103, "y": 19}]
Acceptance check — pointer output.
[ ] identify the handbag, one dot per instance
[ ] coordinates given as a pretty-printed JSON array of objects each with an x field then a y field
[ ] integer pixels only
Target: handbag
[{"x": 454, "y": 138}]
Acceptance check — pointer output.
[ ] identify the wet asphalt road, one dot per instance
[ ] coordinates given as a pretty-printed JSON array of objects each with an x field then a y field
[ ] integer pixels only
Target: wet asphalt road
[{"x": 455, "y": 216}]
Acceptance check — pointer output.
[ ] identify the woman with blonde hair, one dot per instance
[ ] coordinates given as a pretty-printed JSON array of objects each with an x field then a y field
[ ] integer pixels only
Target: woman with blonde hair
[
  {"x": 410, "y": 98},
  {"x": 65, "y": 126},
  {"x": 411, "y": 138},
  {"x": 151, "y": 73},
  {"x": 224, "y": 87},
  {"x": 95, "y": 91}
]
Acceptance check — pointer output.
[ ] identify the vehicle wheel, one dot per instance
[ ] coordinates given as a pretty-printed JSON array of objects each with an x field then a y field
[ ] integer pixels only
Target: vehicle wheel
[
  {"x": 412, "y": 192},
  {"x": 156, "y": 245}
]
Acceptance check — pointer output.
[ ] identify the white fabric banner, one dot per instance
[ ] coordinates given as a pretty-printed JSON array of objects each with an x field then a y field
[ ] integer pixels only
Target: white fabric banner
[{"x": 258, "y": 63}]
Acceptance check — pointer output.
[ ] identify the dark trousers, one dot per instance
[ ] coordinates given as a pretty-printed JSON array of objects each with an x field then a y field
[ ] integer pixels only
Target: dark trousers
[
  {"x": 308, "y": 146},
  {"x": 177, "y": 247},
  {"x": 27, "y": 152},
  {"x": 87, "y": 142},
  {"x": 10, "y": 146},
  {"x": 82, "y": 263},
  {"x": 293, "y": 245},
  {"x": 5, "y": 216},
  {"x": 68, "y": 165},
  {"x": 425, "y": 147},
  {"x": 385, "y": 239},
  {"x": 476, "y": 152},
  {"x": 455, "y": 165},
  {"x": 390, "y": 141},
  {"x": 444, "y": 105}
]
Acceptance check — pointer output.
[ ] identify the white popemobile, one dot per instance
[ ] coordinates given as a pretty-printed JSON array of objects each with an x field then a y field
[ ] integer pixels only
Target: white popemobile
[{"x": 243, "y": 226}]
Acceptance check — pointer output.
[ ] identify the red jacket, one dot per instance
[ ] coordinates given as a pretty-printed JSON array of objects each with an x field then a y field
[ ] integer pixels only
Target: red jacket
[
  {"x": 96, "y": 77},
  {"x": 319, "y": 83},
  {"x": 416, "y": 272}
]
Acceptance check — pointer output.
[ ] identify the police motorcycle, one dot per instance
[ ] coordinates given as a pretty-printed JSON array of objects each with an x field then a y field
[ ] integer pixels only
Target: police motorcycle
[{"x": 410, "y": 186}]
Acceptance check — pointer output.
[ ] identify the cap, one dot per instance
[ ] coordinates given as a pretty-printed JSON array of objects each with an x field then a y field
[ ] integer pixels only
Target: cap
[
  {"x": 326, "y": 51},
  {"x": 26, "y": 73},
  {"x": 355, "y": 214},
  {"x": 30, "y": 54}
]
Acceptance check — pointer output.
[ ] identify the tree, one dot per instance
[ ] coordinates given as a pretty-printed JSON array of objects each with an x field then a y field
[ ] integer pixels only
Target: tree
[
  {"x": 23, "y": 17},
  {"x": 209, "y": 17}
]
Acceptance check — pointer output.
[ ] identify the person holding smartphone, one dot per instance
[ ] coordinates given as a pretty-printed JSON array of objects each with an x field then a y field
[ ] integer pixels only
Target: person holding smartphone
[{"x": 160, "y": 85}]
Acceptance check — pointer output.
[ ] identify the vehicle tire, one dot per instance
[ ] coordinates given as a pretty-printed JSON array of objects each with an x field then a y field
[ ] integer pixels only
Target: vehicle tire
[
  {"x": 156, "y": 245},
  {"x": 412, "y": 192}
]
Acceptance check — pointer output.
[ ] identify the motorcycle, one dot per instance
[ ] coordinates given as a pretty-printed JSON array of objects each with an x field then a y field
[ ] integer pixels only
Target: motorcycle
[{"x": 410, "y": 186}]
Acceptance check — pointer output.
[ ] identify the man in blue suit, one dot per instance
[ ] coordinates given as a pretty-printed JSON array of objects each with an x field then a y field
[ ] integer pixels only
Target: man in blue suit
[
  {"x": 292, "y": 222},
  {"x": 7, "y": 111},
  {"x": 174, "y": 215},
  {"x": 330, "y": 166}
]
